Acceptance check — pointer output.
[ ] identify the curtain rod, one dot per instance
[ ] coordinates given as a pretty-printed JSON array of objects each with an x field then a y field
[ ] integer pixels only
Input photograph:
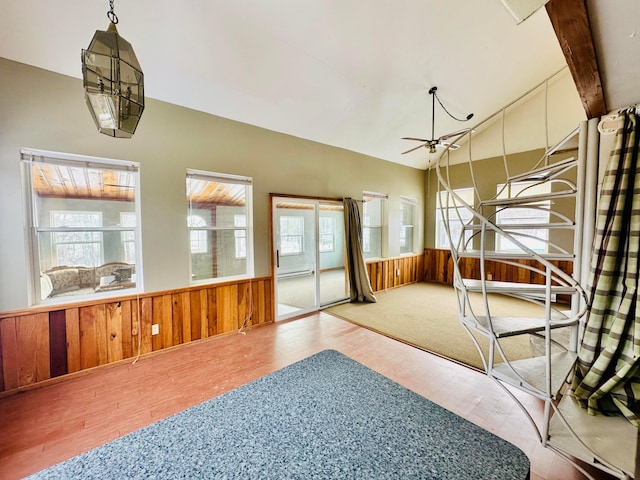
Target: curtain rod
[
  {"x": 305, "y": 197},
  {"x": 635, "y": 108}
]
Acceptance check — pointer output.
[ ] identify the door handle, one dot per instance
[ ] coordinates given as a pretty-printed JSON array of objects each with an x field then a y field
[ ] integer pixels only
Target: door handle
[{"x": 277, "y": 258}]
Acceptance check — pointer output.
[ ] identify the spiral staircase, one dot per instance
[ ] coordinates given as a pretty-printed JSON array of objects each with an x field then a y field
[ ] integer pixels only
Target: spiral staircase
[{"x": 548, "y": 251}]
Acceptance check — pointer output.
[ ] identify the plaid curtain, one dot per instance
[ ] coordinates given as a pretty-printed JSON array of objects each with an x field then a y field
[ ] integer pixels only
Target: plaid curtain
[{"x": 607, "y": 374}]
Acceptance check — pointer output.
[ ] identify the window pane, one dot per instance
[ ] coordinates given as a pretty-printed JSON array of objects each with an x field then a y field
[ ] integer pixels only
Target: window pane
[
  {"x": 197, "y": 238},
  {"x": 372, "y": 242},
  {"x": 221, "y": 261},
  {"x": 372, "y": 212},
  {"x": 457, "y": 215},
  {"x": 407, "y": 219},
  {"x": 326, "y": 238},
  {"x": 223, "y": 200},
  {"x": 291, "y": 235},
  {"x": 128, "y": 219},
  {"x": 536, "y": 214},
  {"x": 372, "y": 223}
]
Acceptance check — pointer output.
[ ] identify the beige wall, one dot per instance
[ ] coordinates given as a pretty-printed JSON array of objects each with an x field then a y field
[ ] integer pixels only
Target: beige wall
[{"x": 44, "y": 110}]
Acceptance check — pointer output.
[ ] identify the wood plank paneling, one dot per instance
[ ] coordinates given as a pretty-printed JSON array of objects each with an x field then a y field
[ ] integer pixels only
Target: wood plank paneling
[
  {"x": 196, "y": 315},
  {"x": 166, "y": 325},
  {"x": 388, "y": 273},
  {"x": 32, "y": 337},
  {"x": 57, "y": 343},
  {"x": 126, "y": 329},
  {"x": 113, "y": 320},
  {"x": 227, "y": 308},
  {"x": 157, "y": 314},
  {"x": 50, "y": 343},
  {"x": 180, "y": 321},
  {"x": 204, "y": 313},
  {"x": 10, "y": 362},
  {"x": 146, "y": 320},
  {"x": 72, "y": 322},
  {"x": 101, "y": 334},
  {"x": 88, "y": 340},
  {"x": 2, "y": 387},
  {"x": 438, "y": 267},
  {"x": 212, "y": 312}
]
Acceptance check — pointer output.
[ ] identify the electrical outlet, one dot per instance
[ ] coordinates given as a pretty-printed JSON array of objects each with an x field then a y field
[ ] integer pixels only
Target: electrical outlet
[
  {"x": 397, "y": 272},
  {"x": 155, "y": 329},
  {"x": 489, "y": 276}
]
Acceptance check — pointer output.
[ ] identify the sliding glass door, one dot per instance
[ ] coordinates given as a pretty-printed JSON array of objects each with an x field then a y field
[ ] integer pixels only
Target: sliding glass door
[{"x": 309, "y": 266}]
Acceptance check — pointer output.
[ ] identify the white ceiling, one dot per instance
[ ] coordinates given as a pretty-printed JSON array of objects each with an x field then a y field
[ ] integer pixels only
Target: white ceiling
[{"x": 347, "y": 73}]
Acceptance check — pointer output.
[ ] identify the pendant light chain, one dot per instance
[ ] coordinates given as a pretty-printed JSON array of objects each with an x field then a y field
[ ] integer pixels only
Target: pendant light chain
[{"x": 111, "y": 15}]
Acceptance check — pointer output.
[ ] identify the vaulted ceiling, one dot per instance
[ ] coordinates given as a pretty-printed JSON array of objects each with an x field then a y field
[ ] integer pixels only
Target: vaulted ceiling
[{"x": 345, "y": 73}]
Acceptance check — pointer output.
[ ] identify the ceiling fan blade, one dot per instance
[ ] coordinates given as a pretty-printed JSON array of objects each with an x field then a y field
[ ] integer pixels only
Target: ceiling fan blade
[
  {"x": 416, "y": 139},
  {"x": 453, "y": 134},
  {"x": 415, "y": 148},
  {"x": 452, "y": 146}
]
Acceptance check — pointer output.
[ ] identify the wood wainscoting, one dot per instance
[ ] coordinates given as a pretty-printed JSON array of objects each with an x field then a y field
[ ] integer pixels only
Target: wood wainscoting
[
  {"x": 386, "y": 273},
  {"x": 42, "y": 343},
  {"x": 438, "y": 267}
]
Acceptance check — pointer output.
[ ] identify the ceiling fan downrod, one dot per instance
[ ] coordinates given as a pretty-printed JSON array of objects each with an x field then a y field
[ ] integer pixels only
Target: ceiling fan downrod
[{"x": 433, "y": 142}]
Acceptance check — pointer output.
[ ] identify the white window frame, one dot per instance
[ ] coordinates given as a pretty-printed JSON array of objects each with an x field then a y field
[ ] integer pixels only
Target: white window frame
[
  {"x": 30, "y": 156},
  {"x": 247, "y": 229}
]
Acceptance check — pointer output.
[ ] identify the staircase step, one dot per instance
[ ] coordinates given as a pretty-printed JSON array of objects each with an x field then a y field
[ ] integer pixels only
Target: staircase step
[
  {"x": 497, "y": 255},
  {"x": 544, "y": 173},
  {"x": 511, "y": 326},
  {"x": 515, "y": 288},
  {"x": 612, "y": 438},
  {"x": 526, "y": 199},
  {"x": 532, "y": 372}
]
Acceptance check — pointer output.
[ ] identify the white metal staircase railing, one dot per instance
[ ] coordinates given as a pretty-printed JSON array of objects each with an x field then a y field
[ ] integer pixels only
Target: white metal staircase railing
[{"x": 551, "y": 187}]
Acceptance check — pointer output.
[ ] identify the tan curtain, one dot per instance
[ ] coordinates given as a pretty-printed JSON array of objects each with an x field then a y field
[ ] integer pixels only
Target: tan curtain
[
  {"x": 361, "y": 290},
  {"x": 607, "y": 376}
]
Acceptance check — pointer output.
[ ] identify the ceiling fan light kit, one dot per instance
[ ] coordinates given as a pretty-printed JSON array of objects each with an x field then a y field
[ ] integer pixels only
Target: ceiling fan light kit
[{"x": 433, "y": 143}]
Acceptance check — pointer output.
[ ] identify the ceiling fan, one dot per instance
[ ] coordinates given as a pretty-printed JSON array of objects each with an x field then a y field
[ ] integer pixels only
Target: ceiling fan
[{"x": 440, "y": 141}]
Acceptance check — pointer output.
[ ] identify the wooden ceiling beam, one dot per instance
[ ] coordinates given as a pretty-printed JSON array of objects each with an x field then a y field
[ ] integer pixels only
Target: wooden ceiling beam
[{"x": 570, "y": 21}]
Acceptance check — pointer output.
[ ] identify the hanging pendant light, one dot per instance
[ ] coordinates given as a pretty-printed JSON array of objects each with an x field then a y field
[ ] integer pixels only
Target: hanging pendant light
[{"x": 113, "y": 81}]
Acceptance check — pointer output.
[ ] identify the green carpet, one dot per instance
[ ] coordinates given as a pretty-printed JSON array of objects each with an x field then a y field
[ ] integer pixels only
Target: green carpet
[
  {"x": 326, "y": 417},
  {"x": 425, "y": 315}
]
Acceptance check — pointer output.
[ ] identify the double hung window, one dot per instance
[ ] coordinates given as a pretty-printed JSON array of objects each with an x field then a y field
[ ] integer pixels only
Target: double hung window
[
  {"x": 219, "y": 221},
  {"x": 83, "y": 216}
]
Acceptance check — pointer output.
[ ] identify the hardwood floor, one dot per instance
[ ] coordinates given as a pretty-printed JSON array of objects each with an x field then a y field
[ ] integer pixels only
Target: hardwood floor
[{"x": 46, "y": 425}]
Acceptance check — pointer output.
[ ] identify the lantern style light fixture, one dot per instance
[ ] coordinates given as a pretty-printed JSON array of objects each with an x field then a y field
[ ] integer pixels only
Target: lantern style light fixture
[{"x": 113, "y": 81}]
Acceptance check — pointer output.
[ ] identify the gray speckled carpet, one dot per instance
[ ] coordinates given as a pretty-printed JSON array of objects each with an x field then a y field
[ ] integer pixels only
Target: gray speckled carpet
[{"x": 325, "y": 417}]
